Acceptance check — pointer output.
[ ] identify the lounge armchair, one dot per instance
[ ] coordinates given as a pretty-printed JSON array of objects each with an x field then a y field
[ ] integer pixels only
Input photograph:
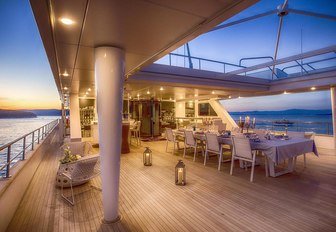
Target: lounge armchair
[{"x": 80, "y": 172}]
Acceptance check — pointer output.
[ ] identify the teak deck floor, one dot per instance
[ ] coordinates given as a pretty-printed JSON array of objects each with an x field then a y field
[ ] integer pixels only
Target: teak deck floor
[{"x": 211, "y": 201}]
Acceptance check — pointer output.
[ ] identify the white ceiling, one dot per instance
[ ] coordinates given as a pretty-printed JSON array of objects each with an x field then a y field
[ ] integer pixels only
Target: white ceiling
[{"x": 145, "y": 29}]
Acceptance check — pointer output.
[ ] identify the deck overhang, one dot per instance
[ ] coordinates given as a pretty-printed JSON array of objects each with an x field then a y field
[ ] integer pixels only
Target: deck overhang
[{"x": 145, "y": 30}]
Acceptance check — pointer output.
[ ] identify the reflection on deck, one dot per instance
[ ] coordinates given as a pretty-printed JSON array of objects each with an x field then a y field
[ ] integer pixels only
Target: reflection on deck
[{"x": 211, "y": 201}]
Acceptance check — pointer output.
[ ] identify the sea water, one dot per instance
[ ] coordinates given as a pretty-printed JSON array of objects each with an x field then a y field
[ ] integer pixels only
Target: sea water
[
  {"x": 14, "y": 128},
  {"x": 318, "y": 123}
]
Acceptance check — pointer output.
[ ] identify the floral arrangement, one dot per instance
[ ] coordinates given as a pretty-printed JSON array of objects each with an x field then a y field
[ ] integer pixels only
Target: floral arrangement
[{"x": 68, "y": 157}]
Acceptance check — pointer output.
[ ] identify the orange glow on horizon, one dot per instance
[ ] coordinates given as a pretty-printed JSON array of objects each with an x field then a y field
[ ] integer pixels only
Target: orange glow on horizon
[{"x": 28, "y": 104}]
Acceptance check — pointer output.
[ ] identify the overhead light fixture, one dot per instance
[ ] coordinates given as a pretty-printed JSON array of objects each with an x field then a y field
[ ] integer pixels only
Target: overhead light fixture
[
  {"x": 89, "y": 89},
  {"x": 65, "y": 88},
  {"x": 213, "y": 92},
  {"x": 67, "y": 21},
  {"x": 161, "y": 88},
  {"x": 285, "y": 92},
  {"x": 148, "y": 92},
  {"x": 230, "y": 96},
  {"x": 195, "y": 95},
  {"x": 130, "y": 97},
  {"x": 138, "y": 95},
  {"x": 313, "y": 88},
  {"x": 239, "y": 96},
  {"x": 65, "y": 74}
]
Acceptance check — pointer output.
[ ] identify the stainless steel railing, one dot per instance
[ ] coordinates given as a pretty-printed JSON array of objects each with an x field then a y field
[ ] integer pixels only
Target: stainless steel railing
[{"x": 28, "y": 141}]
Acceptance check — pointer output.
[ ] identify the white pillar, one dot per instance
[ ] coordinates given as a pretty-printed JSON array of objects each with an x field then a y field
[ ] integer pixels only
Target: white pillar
[
  {"x": 109, "y": 75},
  {"x": 75, "y": 126},
  {"x": 333, "y": 108},
  {"x": 196, "y": 108},
  {"x": 180, "y": 109}
]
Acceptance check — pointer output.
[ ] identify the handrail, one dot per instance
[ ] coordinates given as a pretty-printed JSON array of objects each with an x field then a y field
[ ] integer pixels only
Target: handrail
[
  {"x": 309, "y": 63},
  {"x": 255, "y": 58},
  {"x": 40, "y": 136},
  {"x": 203, "y": 59}
]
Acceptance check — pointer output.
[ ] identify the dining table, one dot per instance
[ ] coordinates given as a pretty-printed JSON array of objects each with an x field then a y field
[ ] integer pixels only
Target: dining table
[{"x": 275, "y": 150}]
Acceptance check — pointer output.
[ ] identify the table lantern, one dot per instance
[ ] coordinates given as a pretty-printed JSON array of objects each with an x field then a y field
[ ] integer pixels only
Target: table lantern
[
  {"x": 147, "y": 157},
  {"x": 180, "y": 173}
]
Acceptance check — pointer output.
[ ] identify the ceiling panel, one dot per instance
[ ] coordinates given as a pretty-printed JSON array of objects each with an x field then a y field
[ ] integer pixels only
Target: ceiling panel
[
  {"x": 74, "y": 10},
  {"x": 66, "y": 55},
  {"x": 85, "y": 58}
]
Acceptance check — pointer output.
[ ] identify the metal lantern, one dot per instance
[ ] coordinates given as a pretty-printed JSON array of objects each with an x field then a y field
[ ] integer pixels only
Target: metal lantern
[
  {"x": 180, "y": 173},
  {"x": 147, "y": 157}
]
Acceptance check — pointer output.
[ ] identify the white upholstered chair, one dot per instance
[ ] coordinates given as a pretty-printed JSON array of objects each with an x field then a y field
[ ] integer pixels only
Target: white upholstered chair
[
  {"x": 213, "y": 146},
  {"x": 171, "y": 138},
  {"x": 306, "y": 135},
  {"x": 190, "y": 141},
  {"x": 135, "y": 132},
  {"x": 242, "y": 151},
  {"x": 220, "y": 125},
  {"x": 79, "y": 172}
]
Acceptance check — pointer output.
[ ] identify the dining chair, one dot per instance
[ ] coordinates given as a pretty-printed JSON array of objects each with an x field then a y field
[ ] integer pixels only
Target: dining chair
[
  {"x": 242, "y": 151},
  {"x": 220, "y": 125},
  {"x": 171, "y": 138},
  {"x": 191, "y": 141},
  {"x": 213, "y": 146},
  {"x": 135, "y": 132},
  {"x": 308, "y": 135}
]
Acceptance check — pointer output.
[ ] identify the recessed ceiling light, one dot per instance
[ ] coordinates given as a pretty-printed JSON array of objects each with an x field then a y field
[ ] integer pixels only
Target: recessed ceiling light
[
  {"x": 65, "y": 88},
  {"x": 148, "y": 92},
  {"x": 65, "y": 74},
  {"x": 313, "y": 88},
  {"x": 161, "y": 88},
  {"x": 67, "y": 21}
]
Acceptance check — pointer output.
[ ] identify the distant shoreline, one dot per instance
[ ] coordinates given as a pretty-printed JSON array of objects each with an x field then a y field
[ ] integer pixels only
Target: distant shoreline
[{"x": 8, "y": 114}]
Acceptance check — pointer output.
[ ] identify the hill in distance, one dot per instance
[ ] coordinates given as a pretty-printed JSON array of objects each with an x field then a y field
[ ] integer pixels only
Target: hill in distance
[
  {"x": 16, "y": 114},
  {"x": 48, "y": 112}
]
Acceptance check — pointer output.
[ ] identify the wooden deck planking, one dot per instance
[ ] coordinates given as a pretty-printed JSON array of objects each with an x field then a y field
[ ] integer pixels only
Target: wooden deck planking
[{"x": 211, "y": 201}]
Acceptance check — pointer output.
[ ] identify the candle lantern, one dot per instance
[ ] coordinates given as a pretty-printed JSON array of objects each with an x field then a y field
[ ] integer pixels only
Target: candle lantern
[
  {"x": 147, "y": 157},
  {"x": 180, "y": 173}
]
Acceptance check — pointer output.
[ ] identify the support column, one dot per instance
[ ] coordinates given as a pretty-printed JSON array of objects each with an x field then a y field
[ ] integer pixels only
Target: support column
[
  {"x": 109, "y": 75},
  {"x": 63, "y": 120},
  {"x": 179, "y": 112},
  {"x": 333, "y": 108},
  {"x": 75, "y": 126}
]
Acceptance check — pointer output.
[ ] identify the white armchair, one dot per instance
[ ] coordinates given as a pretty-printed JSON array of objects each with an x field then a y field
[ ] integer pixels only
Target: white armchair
[{"x": 79, "y": 172}]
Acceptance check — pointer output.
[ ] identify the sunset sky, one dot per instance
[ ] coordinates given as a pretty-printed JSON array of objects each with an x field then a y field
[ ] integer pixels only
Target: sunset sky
[{"x": 27, "y": 81}]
